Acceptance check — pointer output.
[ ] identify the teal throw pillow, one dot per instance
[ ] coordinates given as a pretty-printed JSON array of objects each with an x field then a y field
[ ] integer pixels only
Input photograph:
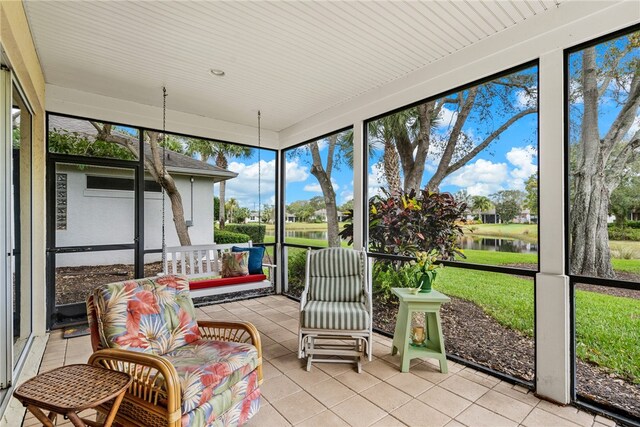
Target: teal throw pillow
[{"x": 256, "y": 254}]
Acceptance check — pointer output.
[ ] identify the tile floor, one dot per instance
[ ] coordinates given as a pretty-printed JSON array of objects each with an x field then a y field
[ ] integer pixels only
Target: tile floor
[{"x": 335, "y": 395}]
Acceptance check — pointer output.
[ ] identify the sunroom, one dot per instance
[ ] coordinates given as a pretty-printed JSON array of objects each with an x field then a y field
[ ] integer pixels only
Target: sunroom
[{"x": 504, "y": 135}]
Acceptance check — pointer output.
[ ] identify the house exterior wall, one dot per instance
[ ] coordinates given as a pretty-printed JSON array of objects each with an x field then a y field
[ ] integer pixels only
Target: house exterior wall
[{"x": 101, "y": 217}]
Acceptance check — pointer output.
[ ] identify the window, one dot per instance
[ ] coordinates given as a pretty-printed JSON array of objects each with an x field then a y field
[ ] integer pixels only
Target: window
[
  {"x": 319, "y": 195},
  {"x": 603, "y": 88},
  {"x": 125, "y": 184},
  {"x": 458, "y": 173}
]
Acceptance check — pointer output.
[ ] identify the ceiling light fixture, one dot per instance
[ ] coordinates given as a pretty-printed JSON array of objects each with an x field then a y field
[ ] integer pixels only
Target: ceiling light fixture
[{"x": 216, "y": 72}]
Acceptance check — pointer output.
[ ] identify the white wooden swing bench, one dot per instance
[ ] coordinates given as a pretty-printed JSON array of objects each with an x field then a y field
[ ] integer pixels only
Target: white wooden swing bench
[{"x": 201, "y": 264}]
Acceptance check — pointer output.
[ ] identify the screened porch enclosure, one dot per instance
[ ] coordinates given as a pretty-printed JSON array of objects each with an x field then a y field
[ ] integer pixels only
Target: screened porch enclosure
[{"x": 484, "y": 131}]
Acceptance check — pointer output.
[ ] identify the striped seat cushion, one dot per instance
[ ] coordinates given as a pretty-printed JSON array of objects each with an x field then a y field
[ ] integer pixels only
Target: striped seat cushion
[
  {"x": 336, "y": 274},
  {"x": 335, "y": 315}
]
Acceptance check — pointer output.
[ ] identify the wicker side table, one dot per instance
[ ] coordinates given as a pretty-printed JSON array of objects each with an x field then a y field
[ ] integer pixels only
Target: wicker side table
[{"x": 71, "y": 389}]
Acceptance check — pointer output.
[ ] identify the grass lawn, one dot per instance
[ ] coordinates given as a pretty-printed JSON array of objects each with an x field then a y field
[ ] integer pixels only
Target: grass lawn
[{"x": 607, "y": 327}]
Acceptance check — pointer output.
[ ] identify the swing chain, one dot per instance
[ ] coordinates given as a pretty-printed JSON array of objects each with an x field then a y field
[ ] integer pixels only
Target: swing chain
[{"x": 164, "y": 171}]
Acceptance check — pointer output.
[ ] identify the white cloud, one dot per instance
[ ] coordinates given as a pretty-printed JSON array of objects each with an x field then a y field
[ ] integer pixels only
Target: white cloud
[
  {"x": 315, "y": 187},
  {"x": 525, "y": 166},
  {"x": 635, "y": 126},
  {"x": 345, "y": 196},
  {"x": 447, "y": 117},
  {"x": 523, "y": 99},
  {"x": 480, "y": 178},
  {"x": 244, "y": 187},
  {"x": 296, "y": 172},
  {"x": 376, "y": 179}
]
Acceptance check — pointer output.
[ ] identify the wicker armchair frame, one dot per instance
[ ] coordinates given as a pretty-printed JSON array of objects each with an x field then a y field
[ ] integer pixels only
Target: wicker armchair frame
[{"x": 154, "y": 397}]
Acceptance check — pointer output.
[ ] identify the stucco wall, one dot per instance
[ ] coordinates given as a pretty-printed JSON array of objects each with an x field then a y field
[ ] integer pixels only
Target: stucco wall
[{"x": 101, "y": 217}]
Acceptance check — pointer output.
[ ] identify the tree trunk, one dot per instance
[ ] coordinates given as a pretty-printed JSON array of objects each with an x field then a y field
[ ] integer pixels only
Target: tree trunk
[
  {"x": 221, "y": 162},
  {"x": 590, "y": 254},
  {"x": 178, "y": 215},
  {"x": 323, "y": 175},
  {"x": 391, "y": 164}
]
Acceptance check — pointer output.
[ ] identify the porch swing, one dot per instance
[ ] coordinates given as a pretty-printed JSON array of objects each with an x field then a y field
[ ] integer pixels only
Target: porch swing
[{"x": 202, "y": 264}]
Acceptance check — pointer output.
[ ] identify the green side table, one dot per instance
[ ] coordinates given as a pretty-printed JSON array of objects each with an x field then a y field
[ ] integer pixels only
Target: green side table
[{"x": 433, "y": 346}]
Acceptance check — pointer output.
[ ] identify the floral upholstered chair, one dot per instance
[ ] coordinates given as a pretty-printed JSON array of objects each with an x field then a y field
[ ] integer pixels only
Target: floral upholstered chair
[{"x": 186, "y": 372}]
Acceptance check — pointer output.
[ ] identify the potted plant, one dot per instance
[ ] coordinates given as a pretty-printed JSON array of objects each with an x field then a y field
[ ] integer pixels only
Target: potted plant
[{"x": 426, "y": 269}]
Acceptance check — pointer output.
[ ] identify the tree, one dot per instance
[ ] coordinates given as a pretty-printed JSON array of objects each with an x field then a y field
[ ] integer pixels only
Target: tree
[
  {"x": 410, "y": 136},
  {"x": 240, "y": 215},
  {"x": 606, "y": 147},
  {"x": 118, "y": 145},
  {"x": 531, "y": 187},
  {"x": 508, "y": 204},
  {"x": 221, "y": 152},
  {"x": 268, "y": 213},
  {"x": 230, "y": 206},
  {"x": 337, "y": 145},
  {"x": 348, "y": 205},
  {"x": 625, "y": 199},
  {"x": 464, "y": 198},
  {"x": 216, "y": 207},
  {"x": 480, "y": 204}
]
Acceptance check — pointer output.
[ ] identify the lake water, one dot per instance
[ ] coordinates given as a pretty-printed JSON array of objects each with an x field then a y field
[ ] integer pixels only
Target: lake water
[{"x": 497, "y": 244}]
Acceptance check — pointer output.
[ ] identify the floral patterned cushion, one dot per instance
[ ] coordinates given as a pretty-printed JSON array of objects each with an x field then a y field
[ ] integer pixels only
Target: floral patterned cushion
[
  {"x": 147, "y": 315},
  {"x": 235, "y": 264},
  {"x": 230, "y": 408},
  {"x": 209, "y": 368}
]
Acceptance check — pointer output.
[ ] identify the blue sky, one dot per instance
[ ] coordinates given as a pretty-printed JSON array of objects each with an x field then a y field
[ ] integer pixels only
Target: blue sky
[{"x": 505, "y": 164}]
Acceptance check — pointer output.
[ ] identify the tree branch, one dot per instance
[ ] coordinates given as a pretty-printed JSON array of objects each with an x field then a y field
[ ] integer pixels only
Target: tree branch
[
  {"x": 471, "y": 154},
  {"x": 605, "y": 84}
]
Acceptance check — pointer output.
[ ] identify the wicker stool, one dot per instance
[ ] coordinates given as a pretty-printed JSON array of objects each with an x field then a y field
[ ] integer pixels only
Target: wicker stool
[{"x": 71, "y": 389}]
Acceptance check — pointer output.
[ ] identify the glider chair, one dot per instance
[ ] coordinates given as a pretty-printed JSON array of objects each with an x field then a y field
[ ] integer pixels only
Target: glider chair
[
  {"x": 335, "y": 308},
  {"x": 185, "y": 372}
]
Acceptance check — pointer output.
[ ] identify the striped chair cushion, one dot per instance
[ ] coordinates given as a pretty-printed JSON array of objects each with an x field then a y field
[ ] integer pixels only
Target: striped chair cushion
[
  {"x": 335, "y": 315},
  {"x": 336, "y": 274}
]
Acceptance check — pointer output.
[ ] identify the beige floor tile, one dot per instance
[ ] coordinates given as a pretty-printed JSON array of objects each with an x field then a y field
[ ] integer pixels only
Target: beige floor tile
[
  {"x": 386, "y": 397},
  {"x": 429, "y": 373},
  {"x": 357, "y": 382},
  {"x": 291, "y": 344},
  {"x": 570, "y": 413},
  {"x": 334, "y": 369},
  {"x": 507, "y": 389},
  {"x": 416, "y": 413},
  {"x": 283, "y": 335},
  {"x": 477, "y": 416},
  {"x": 606, "y": 421},
  {"x": 267, "y": 416},
  {"x": 464, "y": 387},
  {"x": 479, "y": 378},
  {"x": 454, "y": 423},
  {"x": 288, "y": 362},
  {"x": 298, "y": 407},
  {"x": 505, "y": 405},
  {"x": 331, "y": 392},
  {"x": 278, "y": 388},
  {"x": 358, "y": 412},
  {"x": 444, "y": 401},
  {"x": 388, "y": 421},
  {"x": 274, "y": 350},
  {"x": 410, "y": 383},
  {"x": 324, "y": 419},
  {"x": 269, "y": 371},
  {"x": 380, "y": 369},
  {"x": 538, "y": 417},
  {"x": 307, "y": 379}
]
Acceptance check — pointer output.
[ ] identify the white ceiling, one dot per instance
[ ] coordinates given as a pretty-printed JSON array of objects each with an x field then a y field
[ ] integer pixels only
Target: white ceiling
[{"x": 290, "y": 59}]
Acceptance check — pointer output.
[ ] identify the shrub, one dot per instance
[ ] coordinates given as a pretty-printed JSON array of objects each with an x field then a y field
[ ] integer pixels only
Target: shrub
[
  {"x": 617, "y": 233},
  {"x": 624, "y": 252},
  {"x": 224, "y": 236},
  {"x": 255, "y": 231},
  {"x": 632, "y": 224},
  {"x": 405, "y": 223},
  {"x": 296, "y": 265},
  {"x": 387, "y": 275}
]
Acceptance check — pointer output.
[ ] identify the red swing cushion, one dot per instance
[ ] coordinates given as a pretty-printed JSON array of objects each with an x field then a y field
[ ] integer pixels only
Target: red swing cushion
[{"x": 225, "y": 281}]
